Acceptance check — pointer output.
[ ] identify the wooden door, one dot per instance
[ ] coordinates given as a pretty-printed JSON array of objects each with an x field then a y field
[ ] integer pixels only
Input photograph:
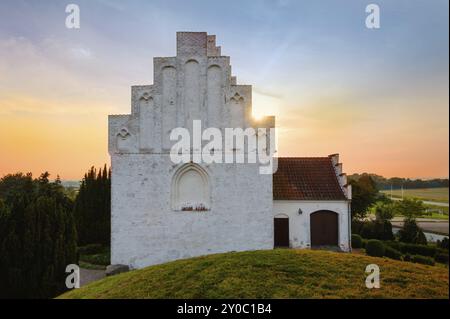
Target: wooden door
[
  {"x": 324, "y": 228},
  {"x": 281, "y": 232}
]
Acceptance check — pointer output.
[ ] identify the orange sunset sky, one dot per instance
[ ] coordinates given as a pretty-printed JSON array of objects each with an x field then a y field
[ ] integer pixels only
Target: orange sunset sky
[{"x": 377, "y": 97}]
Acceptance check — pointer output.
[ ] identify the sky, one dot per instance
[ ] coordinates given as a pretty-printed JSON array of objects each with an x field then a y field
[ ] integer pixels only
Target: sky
[{"x": 378, "y": 97}]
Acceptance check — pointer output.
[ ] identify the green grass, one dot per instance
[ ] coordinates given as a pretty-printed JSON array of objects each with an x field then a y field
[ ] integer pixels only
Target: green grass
[
  {"x": 280, "y": 273},
  {"x": 428, "y": 194},
  {"x": 435, "y": 215},
  {"x": 438, "y": 212}
]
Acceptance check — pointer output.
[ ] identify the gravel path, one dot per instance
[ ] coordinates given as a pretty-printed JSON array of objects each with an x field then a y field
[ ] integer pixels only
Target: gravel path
[{"x": 90, "y": 275}]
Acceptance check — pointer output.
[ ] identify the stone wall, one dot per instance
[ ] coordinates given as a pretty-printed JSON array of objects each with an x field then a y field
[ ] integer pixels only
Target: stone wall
[{"x": 195, "y": 85}]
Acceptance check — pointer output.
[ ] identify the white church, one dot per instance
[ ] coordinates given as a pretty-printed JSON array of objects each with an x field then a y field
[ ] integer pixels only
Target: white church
[{"x": 304, "y": 204}]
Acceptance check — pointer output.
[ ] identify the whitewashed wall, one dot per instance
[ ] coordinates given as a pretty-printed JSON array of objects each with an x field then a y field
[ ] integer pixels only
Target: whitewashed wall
[
  {"x": 195, "y": 85},
  {"x": 299, "y": 224}
]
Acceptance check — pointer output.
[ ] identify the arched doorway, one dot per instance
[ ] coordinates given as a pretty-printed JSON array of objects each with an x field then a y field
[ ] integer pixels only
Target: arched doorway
[
  {"x": 324, "y": 228},
  {"x": 281, "y": 231}
]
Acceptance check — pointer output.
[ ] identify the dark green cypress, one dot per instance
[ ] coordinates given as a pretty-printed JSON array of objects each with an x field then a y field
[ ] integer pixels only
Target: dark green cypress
[
  {"x": 92, "y": 207},
  {"x": 37, "y": 237}
]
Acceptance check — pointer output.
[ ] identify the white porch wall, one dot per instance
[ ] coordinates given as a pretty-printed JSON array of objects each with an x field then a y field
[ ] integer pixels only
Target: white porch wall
[{"x": 299, "y": 225}]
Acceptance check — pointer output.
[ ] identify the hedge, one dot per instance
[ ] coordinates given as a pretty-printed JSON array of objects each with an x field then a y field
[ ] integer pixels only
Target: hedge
[
  {"x": 442, "y": 258},
  {"x": 364, "y": 243},
  {"x": 413, "y": 249},
  {"x": 392, "y": 253},
  {"x": 357, "y": 241},
  {"x": 375, "y": 248},
  {"x": 422, "y": 260}
]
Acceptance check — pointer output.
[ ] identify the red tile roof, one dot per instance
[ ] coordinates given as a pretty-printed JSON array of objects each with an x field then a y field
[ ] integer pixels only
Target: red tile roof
[{"x": 306, "y": 178}]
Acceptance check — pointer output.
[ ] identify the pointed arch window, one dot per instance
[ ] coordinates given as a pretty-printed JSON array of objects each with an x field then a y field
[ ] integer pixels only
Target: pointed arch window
[{"x": 191, "y": 189}]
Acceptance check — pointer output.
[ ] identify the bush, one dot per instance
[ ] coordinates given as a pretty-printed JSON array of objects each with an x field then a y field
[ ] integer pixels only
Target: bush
[
  {"x": 392, "y": 253},
  {"x": 357, "y": 226},
  {"x": 443, "y": 244},
  {"x": 394, "y": 244},
  {"x": 364, "y": 243},
  {"x": 91, "y": 249},
  {"x": 385, "y": 233},
  {"x": 375, "y": 248},
  {"x": 422, "y": 260},
  {"x": 412, "y": 233},
  {"x": 103, "y": 259},
  {"x": 381, "y": 230},
  {"x": 442, "y": 258},
  {"x": 356, "y": 241},
  {"x": 423, "y": 250}
]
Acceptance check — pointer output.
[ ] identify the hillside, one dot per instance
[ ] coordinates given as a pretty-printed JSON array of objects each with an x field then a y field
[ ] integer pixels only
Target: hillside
[{"x": 281, "y": 273}]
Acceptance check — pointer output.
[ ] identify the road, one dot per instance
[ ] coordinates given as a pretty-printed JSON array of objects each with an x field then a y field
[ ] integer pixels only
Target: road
[
  {"x": 427, "y": 224},
  {"x": 427, "y": 202}
]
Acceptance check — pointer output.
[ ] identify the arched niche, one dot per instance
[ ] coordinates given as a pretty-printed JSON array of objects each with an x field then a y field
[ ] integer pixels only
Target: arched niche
[
  {"x": 214, "y": 95},
  {"x": 190, "y": 189},
  {"x": 192, "y": 101}
]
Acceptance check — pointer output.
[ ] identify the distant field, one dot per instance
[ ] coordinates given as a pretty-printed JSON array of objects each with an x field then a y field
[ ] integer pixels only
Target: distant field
[{"x": 427, "y": 194}]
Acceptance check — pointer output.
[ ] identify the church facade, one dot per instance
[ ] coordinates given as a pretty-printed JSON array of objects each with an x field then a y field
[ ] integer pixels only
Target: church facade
[{"x": 162, "y": 210}]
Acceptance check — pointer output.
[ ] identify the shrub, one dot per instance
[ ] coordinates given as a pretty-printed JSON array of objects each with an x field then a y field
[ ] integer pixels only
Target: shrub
[
  {"x": 394, "y": 244},
  {"x": 392, "y": 253},
  {"x": 357, "y": 226},
  {"x": 367, "y": 230},
  {"x": 381, "y": 230},
  {"x": 422, "y": 250},
  {"x": 442, "y": 258},
  {"x": 364, "y": 243},
  {"x": 385, "y": 232},
  {"x": 422, "y": 260},
  {"x": 412, "y": 233},
  {"x": 91, "y": 249},
  {"x": 356, "y": 241},
  {"x": 103, "y": 259},
  {"x": 375, "y": 248},
  {"x": 443, "y": 243}
]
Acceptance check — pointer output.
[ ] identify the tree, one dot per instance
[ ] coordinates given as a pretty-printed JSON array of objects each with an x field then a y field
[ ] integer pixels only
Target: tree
[
  {"x": 92, "y": 209},
  {"x": 383, "y": 211},
  {"x": 412, "y": 233},
  {"x": 410, "y": 208},
  {"x": 364, "y": 193},
  {"x": 37, "y": 237}
]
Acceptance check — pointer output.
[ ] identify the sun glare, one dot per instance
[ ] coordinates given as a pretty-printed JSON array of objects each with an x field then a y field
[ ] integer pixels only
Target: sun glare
[{"x": 264, "y": 105}]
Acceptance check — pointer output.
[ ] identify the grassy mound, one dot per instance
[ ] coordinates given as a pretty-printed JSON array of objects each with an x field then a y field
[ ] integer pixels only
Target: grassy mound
[{"x": 280, "y": 273}]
